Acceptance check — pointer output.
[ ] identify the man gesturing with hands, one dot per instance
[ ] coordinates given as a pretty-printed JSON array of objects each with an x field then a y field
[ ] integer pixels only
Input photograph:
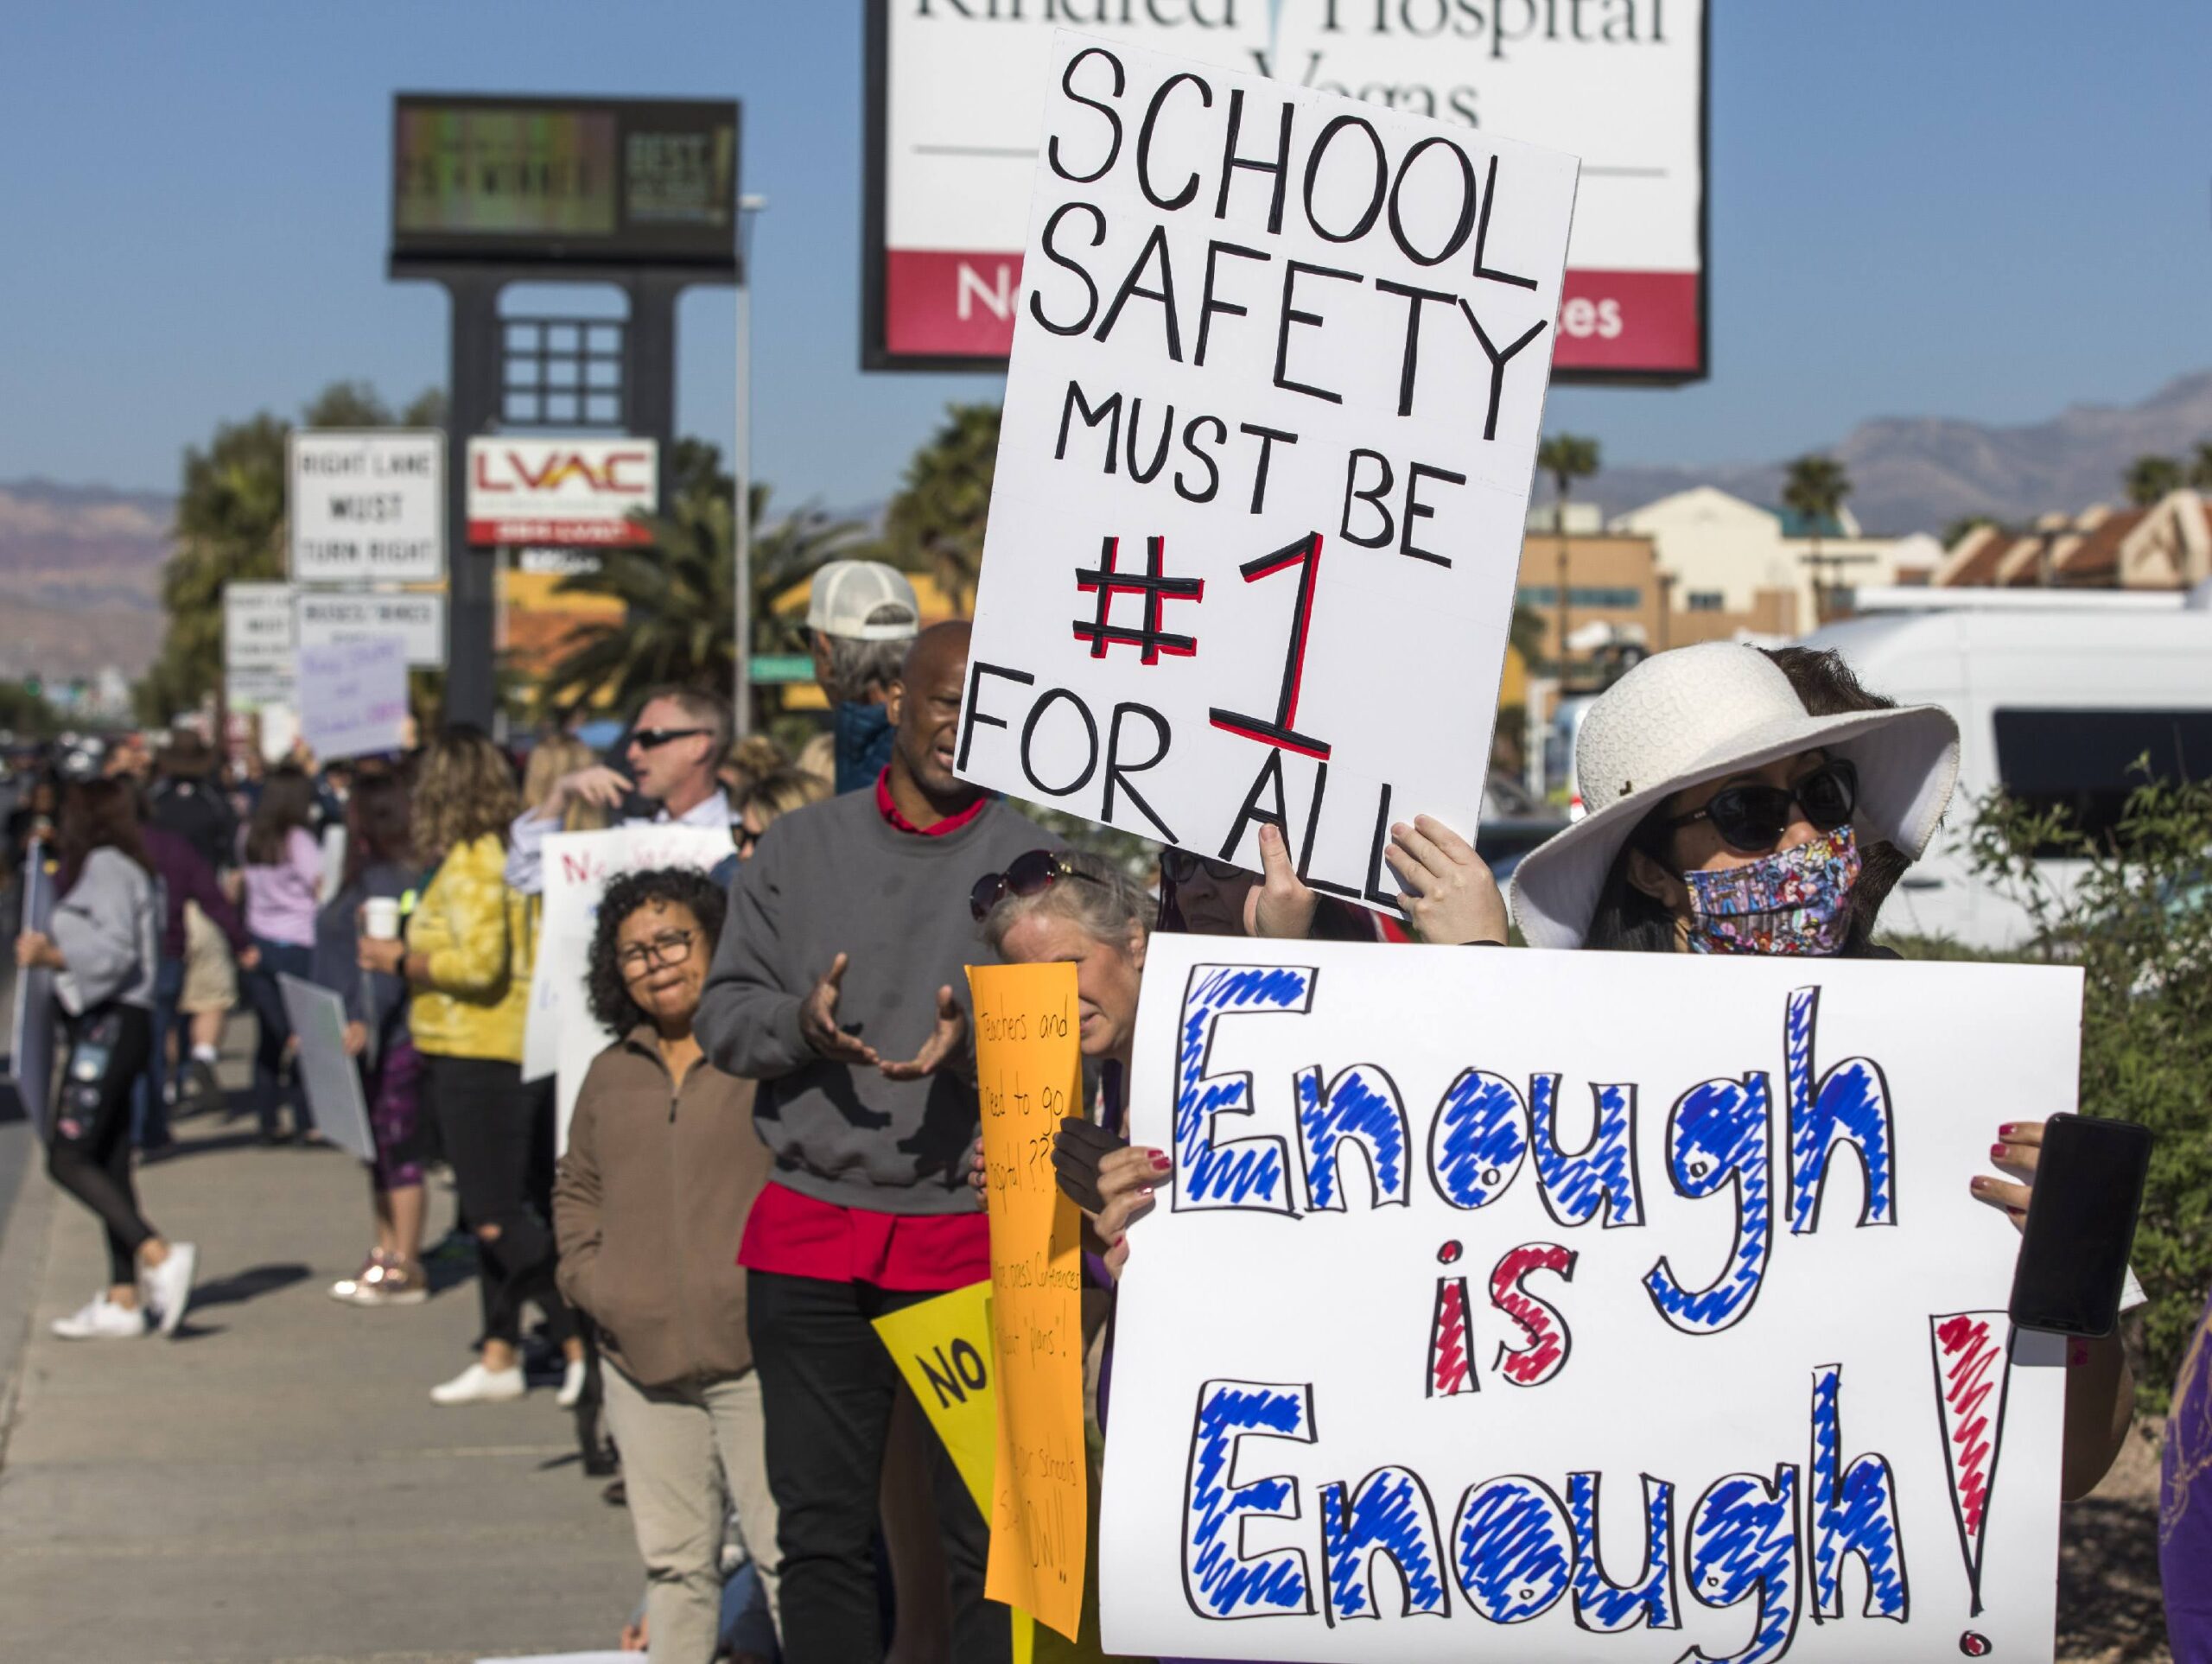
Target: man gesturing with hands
[{"x": 839, "y": 987}]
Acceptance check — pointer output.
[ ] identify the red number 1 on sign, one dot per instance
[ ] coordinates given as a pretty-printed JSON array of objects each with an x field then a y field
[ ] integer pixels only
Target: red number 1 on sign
[{"x": 1305, "y": 555}]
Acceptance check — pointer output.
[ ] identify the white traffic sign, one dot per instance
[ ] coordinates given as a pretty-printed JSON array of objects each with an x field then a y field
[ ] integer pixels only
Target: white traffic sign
[
  {"x": 329, "y": 619},
  {"x": 367, "y": 507}
]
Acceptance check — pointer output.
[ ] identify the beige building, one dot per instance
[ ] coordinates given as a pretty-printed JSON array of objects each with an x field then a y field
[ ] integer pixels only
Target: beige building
[
  {"x": 2165, "y": 546},
  {"x": 1722, "y": 555},
  {"x": 1617, "y": 594}
]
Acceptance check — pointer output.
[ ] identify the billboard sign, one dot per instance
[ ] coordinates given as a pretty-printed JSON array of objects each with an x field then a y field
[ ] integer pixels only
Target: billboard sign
[
  {"x": 591, "y": 181},
  {"x": 328, "y": 618},
  {"x": 956, "y": 93},
  {"x": 580, "y": 491},
  {"x": 367, "y": 507}
]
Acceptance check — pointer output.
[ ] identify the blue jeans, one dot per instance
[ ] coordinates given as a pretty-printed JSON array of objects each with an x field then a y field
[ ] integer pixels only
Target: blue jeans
[
  {"x": 149, "y": 1108},
  {"x": 277, "y": 958}
]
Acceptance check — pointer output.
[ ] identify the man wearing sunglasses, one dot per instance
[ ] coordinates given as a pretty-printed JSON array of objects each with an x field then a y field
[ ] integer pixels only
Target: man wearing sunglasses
[
  {"x": 839, "y": 987},
  {"x": 679, "y": 739}
]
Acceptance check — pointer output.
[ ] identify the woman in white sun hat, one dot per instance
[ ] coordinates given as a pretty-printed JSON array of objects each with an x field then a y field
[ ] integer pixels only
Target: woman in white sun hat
[{"x": 1725, "y": 816}]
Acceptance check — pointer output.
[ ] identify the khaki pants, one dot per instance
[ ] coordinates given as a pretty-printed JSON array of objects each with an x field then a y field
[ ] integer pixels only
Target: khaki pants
[{"x": 685, "y": 1449}]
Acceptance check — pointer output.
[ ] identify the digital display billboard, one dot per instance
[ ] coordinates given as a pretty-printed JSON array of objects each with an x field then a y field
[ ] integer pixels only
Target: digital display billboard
[{"x": 592, "y": 182}]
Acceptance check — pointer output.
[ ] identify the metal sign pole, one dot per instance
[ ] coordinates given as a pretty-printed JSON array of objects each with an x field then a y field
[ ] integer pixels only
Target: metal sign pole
[{"x": 741, "y": 465}]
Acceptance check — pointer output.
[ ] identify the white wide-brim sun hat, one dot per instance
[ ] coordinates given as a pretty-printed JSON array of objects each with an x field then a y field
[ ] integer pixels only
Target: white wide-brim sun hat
[{"x": 1698, "y": 713}]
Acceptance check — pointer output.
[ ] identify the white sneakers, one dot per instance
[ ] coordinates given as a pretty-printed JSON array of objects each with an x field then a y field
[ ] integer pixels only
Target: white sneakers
[
  {"x": 101, "y": 1318},
  {"x": 165, "y": 1289},
  {"x": 477, "y": 1385},
  {"x": 572, "y": 1385}
]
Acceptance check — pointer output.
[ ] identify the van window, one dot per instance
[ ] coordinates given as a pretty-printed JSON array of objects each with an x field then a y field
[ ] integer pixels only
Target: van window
[{"x": 2084, "y": 761}]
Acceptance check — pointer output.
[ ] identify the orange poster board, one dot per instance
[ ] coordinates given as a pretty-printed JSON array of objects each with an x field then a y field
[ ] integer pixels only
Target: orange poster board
[{"x": 1029, "y": 1074}]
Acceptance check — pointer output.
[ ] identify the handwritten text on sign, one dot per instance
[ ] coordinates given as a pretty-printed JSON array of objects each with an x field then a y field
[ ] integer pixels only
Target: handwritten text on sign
[
  {"x": 1270, "y": 424},
  {"x": 1580, "y": 1307},
  {"x": 1028, "y": 1078}
]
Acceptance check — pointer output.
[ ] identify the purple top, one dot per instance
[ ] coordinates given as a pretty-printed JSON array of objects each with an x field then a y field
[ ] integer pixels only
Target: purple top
[
  {"x": 186, "y": 877},
  {"x": 280, "y": 900},
  {"x": 2185, "y": 1505}
]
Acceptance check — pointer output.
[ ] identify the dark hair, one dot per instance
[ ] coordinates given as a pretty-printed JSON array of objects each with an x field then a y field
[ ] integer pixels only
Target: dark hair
[
  {"x": 1627, "y": 919},
  {"x": 286, "y": 803},
  {"x": 377, "y": 826},
  {"x": 98, "y": 814},
  {"x": 673, "y": 886}
]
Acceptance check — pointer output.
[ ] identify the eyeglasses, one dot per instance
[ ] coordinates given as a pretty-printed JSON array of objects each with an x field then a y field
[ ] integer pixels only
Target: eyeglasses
[
  {"x": 745, "y": 837},
  {"x": 1026, "y": 875},
  {"x": 653, "y": 738},
  {"x": 670, "y": 948},
  {"x": 1750, "y": 819},
  {"x": 1181, "y": 866}
]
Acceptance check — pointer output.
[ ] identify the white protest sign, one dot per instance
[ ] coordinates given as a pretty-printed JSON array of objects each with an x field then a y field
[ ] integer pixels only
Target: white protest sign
[
  {"x": 1265, "y": 462},
  {"x": 31, "y": 1016},
  {"x": 332, "y": 1081},
  {"x": 367, "y": 507},
  {"x": 257, "y": 644},
  {"x": 353, "y": 697},
  {"x": 560, "y": 1036},
  {"x": 1580, "y": 1307},
  {"x": 418, "y": 621}
]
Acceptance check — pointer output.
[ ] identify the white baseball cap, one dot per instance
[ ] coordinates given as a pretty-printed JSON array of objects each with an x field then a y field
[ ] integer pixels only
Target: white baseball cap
[
  {"x": 863, "y": 600},
  {"x": 1697, "y": 713}
]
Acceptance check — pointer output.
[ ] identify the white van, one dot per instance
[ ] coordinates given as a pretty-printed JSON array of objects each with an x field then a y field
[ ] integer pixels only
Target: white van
[{"x": 2056, "y": 693}]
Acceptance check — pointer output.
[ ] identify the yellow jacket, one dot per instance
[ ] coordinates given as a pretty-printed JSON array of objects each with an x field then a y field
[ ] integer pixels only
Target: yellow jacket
[{"x": 480, "y": 940}]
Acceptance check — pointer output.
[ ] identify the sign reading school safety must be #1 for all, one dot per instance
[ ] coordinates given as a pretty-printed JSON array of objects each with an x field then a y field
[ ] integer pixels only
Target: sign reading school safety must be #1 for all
[
  {"x": 1270, "y": 424},
  {"x": 367, "y": 507}
]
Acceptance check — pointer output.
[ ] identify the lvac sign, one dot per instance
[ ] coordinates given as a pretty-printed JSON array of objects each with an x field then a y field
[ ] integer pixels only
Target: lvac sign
[
  {"x": 560, "y": 490},
  {"x": 955, "y": 88}
]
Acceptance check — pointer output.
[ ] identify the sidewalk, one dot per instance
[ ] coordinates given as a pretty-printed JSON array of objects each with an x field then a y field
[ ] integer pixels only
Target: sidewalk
[{"x": 275, "y": 1484}]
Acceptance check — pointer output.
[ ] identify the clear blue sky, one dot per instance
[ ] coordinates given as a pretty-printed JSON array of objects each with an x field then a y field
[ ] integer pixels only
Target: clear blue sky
[{"x": 1985, "y": 208}]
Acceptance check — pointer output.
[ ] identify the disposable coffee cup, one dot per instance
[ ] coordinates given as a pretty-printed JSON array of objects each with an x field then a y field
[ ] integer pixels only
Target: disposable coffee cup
[{"x": 381, "y": 919}]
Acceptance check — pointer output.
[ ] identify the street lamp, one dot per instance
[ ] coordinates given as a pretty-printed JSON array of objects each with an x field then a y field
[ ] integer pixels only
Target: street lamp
[{"x": 741, "y": 657}]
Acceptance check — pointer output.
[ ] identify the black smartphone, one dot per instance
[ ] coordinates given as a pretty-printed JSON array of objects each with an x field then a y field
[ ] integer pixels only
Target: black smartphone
[{"x": 2081, "y": 1225}]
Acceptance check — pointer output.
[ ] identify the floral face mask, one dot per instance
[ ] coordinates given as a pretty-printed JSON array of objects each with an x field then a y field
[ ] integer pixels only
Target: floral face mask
[{"x": 1797, "y": 902}]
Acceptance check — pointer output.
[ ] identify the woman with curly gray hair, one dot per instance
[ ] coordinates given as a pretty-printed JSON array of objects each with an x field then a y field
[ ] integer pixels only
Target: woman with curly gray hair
[{"x": 662, "y": 1168}]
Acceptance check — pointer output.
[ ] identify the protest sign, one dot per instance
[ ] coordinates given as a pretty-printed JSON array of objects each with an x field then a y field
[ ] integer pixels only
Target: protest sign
[
  {"x": 30, "y": 1028},
  {"x": 1269, "y": 435},
  {"x": 333, "y": 1082},
  {"x": 560, "y": 1035},
  {"x": 366, "y": 507},
  {"x": 1585, "y": 1306},
  {"x": 1028, "y": 1076},
  {"x": 418, "y": 620},
  {"x": 352, "y": 697},
  {"x": 257, "y": 664},
  {"x": 943, "y": 1349}
]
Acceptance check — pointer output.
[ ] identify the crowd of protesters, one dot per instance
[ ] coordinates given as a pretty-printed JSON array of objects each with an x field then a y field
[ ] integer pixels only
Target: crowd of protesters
[{"x": 779, "y": 1145}]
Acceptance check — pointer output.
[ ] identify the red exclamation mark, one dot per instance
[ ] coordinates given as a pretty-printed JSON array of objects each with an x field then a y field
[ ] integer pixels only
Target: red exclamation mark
[
  {"x": 1451, "y": 1366},
  {"x": 1970, "y": 1376}
]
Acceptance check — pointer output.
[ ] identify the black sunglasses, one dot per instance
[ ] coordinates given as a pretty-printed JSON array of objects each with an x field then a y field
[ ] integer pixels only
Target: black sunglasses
[
  {"x": 1026, "y": 875},
  {"x": 653, "y": 738},
  {"x": 1750, "y": 819}
]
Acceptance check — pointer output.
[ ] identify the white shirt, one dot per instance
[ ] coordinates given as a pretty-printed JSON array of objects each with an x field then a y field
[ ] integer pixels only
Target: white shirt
[{"x": 526, "y": 837}]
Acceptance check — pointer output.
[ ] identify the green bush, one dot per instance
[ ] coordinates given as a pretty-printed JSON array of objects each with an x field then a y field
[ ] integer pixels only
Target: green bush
[{"x": 2137, "y": 920}]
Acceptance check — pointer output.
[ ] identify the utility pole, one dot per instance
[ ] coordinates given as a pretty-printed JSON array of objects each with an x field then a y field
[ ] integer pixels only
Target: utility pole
[{"x": 741, "y": 466}]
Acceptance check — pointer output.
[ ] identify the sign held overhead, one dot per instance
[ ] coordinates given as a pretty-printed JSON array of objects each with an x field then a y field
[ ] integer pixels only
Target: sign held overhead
[
  {"x": 1269, "y": 431},
  {"x": 418, "y": 622}
]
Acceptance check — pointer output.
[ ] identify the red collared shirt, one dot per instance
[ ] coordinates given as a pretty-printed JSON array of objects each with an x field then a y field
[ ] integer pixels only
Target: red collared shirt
[{"x": 794, "y": 1236}]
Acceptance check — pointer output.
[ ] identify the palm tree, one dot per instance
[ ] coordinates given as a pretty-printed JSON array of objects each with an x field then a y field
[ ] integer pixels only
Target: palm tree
[
  {"x": 2200, "y": 467},
  {"x": 936, "y": 521},
  {"x": 2150, "y": 478},
  {"x": 1566, "y": 458},
  {"x": 1815, "y": 487},
  {"x": 679, "y": 594}
]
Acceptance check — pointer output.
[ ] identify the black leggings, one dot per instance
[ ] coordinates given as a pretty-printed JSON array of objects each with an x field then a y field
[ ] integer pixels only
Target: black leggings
[
  {"x": 486, "y": 1120},
  {"x": 88, "y": 1152}
]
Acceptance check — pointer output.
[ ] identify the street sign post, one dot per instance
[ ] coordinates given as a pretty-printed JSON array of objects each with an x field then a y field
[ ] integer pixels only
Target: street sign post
[{"x": 366, "y": 507}]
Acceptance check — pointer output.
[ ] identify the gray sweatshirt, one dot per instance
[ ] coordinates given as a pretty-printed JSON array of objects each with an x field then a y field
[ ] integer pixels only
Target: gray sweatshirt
[
  {"x": 108, "y": 928},
  {"x": 837, "y": 878}
]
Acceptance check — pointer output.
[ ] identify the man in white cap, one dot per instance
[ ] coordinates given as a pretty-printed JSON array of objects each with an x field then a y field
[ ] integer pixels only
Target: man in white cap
[{"x": 861, "y": 616}]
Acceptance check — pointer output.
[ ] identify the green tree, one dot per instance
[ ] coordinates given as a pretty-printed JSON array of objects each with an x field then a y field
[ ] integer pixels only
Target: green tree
[
  {"x": 2138, "y": 921},
  {"x": 230, "y": 529},
  {"x": 680, "y": 594},
  {"x": 1566, "y": 458},
  {"x": 2150, "y": 478},
  {"x": 935, "y": 524},
  {"x": 2200, "y": 467},
  {"x": 1815, "y": 486}
]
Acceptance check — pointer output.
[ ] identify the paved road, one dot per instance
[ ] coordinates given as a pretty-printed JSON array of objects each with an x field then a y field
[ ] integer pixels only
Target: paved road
[{"x": 275, "y": 1484}]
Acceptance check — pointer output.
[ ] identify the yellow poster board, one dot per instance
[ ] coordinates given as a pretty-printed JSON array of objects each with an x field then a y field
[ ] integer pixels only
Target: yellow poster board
[{"x": 1028, "y": 1075}]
